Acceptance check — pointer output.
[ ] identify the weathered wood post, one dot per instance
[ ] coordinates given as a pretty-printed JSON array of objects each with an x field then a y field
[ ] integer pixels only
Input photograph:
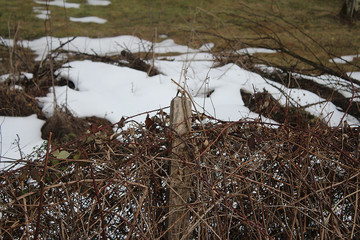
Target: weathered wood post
[{"x": 180, "y": 178}]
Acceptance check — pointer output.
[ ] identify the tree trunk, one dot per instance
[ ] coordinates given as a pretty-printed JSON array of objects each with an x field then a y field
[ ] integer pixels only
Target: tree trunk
[{"x": 350, "y": 8}]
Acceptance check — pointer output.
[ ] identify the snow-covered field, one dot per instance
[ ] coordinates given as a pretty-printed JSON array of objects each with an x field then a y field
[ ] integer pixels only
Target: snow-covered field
[{"x": 110, "y": 91}]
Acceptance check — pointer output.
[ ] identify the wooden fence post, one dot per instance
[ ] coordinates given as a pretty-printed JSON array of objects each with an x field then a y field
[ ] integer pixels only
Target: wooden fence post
[{"x": 180, "y": 177}]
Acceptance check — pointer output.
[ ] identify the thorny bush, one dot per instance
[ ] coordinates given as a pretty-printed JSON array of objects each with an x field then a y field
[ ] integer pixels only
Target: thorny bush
[{"x": 249, "y": 181}]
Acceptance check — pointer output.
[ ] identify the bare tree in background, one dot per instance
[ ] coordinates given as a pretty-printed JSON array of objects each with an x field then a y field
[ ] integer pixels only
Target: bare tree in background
[{"x": 350, "y": 8}]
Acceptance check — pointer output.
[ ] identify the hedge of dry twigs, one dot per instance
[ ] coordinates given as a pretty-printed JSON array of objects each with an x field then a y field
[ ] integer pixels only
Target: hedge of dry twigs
[{"x": 249, "y": 181}]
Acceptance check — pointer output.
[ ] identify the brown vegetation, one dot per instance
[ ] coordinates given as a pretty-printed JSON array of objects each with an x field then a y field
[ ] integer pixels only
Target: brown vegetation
[{"x": 249, "y": 181}]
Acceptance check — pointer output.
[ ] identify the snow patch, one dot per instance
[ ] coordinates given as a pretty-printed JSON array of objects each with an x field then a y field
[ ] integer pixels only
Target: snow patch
[
  {"x": 103, "y": 46},
  {"x": 22, "y": 75},
  {"x": 344, "y": 59},
  {"x": 42, "y": 13},
  {"x": 58, "y": 3},
  {"x": 90, "y": 19},
  {"x": 18, "y": 132},
  {"x": 252, "y": 51},
  {"x": 98, "y": 2}
]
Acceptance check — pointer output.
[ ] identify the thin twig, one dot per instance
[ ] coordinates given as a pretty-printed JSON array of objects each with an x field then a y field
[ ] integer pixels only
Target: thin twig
[{"x": 42, "y": 183}]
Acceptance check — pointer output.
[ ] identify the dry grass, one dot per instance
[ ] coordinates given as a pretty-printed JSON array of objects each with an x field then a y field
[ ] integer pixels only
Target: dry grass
[{"x": 249, "y": 181}]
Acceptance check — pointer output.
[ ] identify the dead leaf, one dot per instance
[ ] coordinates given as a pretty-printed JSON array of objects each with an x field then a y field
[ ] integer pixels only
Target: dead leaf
[{"x": 148, "y": 122}]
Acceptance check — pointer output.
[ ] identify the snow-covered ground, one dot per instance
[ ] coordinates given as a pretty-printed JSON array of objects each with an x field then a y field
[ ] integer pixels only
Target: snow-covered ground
[{"x": 110, "y": 91}]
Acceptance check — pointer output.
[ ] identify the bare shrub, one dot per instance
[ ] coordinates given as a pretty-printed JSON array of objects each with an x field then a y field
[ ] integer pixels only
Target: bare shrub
[{"x": 250, "y": 181}]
